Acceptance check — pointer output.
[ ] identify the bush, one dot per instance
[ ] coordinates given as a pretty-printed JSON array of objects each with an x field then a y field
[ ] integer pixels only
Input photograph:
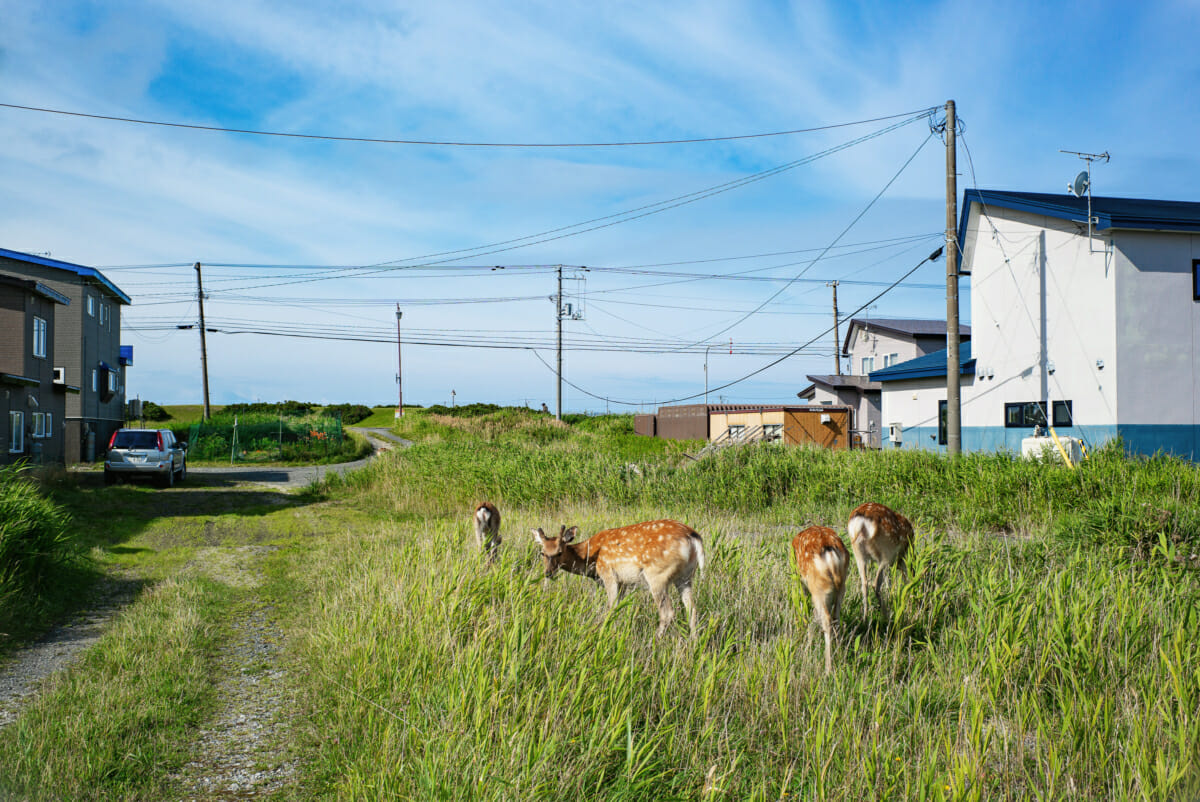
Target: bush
[
  {"x": 153, "y": 412},
  {"x": 35, "y": 548},
  {"x": 286, "y": 408},
  {"x": 350, "y": 413}
]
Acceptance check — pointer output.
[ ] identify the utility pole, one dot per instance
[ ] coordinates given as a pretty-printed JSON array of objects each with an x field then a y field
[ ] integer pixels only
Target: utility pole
[
  {"x": 558, "y": 314},
  {"x": 953, "y": 378},
  {"x": 203, "y": 344},
  {"x": 837, "y": 345},
  {"x": 399, "y": 370}
]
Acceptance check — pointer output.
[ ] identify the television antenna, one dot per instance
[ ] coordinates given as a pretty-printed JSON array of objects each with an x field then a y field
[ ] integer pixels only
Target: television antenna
[{"x": 1083, "y": 183}]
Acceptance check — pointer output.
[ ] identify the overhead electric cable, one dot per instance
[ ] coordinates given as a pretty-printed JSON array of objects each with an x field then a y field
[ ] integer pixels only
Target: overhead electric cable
[
  {"x": 452, "y": 143},
  {"x": 843, "y": 233},
  {"x": 765, "y": 367}
]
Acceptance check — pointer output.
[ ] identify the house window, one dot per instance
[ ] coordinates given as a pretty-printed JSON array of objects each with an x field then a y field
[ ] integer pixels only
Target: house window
[
  {"x": 772, "y": 432},
  {"x": 39, "y": 425},
  {"x": 95, "y": 382},
  {"x": 112, "y": 381},
  {"x": 736, "y": 430},
  {"x": 890, "y": 359},
  {"x": 1062, "y": 414},
  {"x": 91, "y": 306},
  {"x": 1024, "y": 414},
  {"x": 16, "y": 432},
  {"x": 943, "y": 423},
  {"x": 39, "y": 337},
  {"x": 103, "y": 314},
  {"x": 1196, "y": 279},
  {"x": 868, "y": 364}
]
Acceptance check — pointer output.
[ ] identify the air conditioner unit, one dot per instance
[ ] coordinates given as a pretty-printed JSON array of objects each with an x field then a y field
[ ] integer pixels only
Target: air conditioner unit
[
  {"x": 60, "y": 375},
  {"x": 894, "y": 433}
]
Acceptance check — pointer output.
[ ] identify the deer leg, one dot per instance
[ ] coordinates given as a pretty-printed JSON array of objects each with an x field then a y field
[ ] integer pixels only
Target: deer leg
[
  {"x": 689, "y": 604},
  {"x": 860, "y": 559},
  {"x": 662, "y": 600},
  {"x": 879, "y": 589}
]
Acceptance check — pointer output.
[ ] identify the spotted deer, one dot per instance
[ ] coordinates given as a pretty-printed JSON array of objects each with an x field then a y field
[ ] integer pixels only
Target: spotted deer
[
  {"x": 487, "y": 522},
  {"x": 661, "y": 553},
  {"x": 822, "y": 562},
  {"x": 881, "y": 535}
]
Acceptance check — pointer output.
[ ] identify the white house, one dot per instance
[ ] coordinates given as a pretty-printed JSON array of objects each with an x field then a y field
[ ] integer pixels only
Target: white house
[
  {"x": 872, "y": 343},
  {"x": 1093, "y": 330}
]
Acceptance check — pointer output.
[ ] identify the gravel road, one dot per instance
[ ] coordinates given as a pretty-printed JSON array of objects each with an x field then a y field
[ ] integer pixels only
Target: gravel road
[{"x": 22, "y": 673}]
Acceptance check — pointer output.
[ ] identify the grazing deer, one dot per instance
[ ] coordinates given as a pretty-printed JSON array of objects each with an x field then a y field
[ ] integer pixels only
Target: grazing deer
[
  {"x": 822, "y": 562},
  {"x": 660, "y": 552},
  {"x": 881, "y": 535},
  {"x": 487, "y": 522}
]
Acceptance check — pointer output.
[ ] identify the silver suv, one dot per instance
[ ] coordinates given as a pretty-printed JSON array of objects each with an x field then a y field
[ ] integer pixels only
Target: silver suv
[{"x": 146, "y": 452}]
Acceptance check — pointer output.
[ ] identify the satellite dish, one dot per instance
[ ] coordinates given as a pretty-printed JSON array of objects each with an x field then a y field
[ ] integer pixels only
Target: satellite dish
[{"x": 1080, "y": 185}]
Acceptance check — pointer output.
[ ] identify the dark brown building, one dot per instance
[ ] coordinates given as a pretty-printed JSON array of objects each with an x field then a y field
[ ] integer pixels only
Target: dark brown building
[
  {"x": 87, "y": 351},
  {"x": 32, "y": 420}
]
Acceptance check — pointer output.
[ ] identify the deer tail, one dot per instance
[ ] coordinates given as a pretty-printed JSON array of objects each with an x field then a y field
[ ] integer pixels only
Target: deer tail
[
  {"x": 698, "y": 544},
  {"x": 834, "y": 562}
]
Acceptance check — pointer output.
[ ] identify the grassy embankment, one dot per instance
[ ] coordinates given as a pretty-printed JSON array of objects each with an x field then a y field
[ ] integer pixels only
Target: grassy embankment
[{"x": 1047, "y": 644}]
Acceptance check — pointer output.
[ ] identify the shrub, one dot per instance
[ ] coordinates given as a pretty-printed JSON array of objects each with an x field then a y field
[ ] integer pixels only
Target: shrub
[
  {"x": 153, "y": 412},
  {"x": 350, "y": 413},
  {"x": 35, "y": 547}
]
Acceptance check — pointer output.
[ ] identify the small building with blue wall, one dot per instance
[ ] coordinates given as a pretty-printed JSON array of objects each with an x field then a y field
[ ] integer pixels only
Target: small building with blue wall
[{"x": 1092, "y": 329}]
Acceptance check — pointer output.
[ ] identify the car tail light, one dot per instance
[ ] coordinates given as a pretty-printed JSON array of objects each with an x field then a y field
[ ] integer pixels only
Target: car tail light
[
  {"x": 112, "y": 440},
  {"x": 160, "y": 448}
]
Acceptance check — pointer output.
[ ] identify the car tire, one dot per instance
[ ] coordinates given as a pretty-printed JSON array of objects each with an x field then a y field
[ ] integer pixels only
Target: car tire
[
  {"x": 183, "y": 470},
  {"x": 169, "y": 479}
]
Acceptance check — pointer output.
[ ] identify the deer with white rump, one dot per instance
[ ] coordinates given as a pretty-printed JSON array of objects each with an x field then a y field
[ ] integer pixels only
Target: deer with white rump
[
  {"x": 487, "y": 522},
  {"x": 881, "y": 535},
  {"x": 822, "y": 562},
  {"x": 660, "y": 553}
]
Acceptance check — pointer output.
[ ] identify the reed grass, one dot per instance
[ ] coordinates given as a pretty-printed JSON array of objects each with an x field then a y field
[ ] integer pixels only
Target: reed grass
[{"x": 1045, "y": 646}]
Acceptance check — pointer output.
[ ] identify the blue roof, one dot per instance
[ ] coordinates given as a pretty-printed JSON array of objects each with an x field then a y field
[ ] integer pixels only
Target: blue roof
[
  {"x": 79, "y": 270},
  {"x": 1155, "y": 215},
  {"x": 929, "y": 366}
]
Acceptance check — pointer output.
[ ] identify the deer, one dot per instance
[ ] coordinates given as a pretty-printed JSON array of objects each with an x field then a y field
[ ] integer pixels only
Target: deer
[
  {"x": 822, "y": 562},
  {"x": 881, "y": 535},
  {"x": 487, "y": 522},
  {"x": 661, "y": 553}
]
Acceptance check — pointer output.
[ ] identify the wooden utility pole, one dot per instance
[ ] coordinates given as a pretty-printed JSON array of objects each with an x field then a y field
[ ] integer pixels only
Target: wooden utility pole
[
  {"x": 558, "y": 314},
  {"x": 953, "y": 377},
  {"x": 203, "y": 344},
  {"x": 837, "y": 345},
  {"x": 399, "y": 369}
]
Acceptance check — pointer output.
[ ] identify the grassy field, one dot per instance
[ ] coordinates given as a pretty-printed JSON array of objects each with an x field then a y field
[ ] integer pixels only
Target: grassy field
[{"x": 1046, "y": 644}]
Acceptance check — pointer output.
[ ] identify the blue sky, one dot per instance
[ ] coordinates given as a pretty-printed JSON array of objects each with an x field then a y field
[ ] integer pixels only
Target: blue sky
[{"x": 1028, "y": 79}]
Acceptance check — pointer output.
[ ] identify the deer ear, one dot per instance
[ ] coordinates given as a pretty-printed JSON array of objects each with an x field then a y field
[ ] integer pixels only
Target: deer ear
[
  {"x": 569, "y": 535},
  {"x": 539, "y": 536}
]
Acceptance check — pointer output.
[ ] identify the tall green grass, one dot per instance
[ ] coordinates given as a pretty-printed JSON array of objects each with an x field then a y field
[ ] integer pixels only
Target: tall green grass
[
  {"x": 1045, "y": 646},
  {"x": 40, "y": 561}
]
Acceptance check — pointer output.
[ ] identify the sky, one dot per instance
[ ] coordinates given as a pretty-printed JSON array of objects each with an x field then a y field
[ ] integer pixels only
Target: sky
[{"x": 708, "y": 264}]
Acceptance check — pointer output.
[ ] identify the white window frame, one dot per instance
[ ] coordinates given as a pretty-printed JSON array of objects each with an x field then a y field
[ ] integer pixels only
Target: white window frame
[
  {"x": 40, "y": 334},
  {"x": 95, "y": 381},
  {"x": 112, "y": 381},
  {"x": 16, "y": 432},
  {"x": 890, "y": 359},
  {"x": 868, "y": 364},
  {"x": 104, "y": 316},
  {"x": 49, "y": 425},
  {"x": 91, "y": 306},
  {"x": 772, "y": 432},
  {"x": 39, "y": 426}
]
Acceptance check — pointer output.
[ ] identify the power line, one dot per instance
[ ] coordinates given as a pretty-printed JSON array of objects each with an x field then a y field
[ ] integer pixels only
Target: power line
[
  {"x": 452, "y": 143},
  {"x": 765, "y": 367},
  {"x": 605, "y": 221},
  {"x": 843, "y": 233}
]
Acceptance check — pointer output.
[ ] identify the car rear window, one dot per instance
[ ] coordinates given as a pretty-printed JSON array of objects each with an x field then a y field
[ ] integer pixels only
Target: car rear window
[{"x": 137, "y": 439}]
